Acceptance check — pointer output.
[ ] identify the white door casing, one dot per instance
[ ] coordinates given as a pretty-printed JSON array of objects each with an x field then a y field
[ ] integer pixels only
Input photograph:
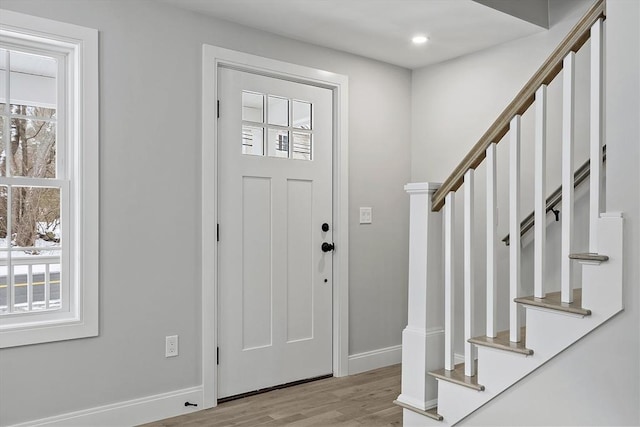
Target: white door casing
[
  {"x": 274, "y": 194},
  {"x": 213, "y": 58}
]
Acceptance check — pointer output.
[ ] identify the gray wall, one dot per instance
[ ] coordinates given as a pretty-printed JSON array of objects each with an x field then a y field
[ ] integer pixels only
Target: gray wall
[
  {"x": 454, "y": 103},
  {"x": 150, "y": 74},
  {"x": 597, "y": 381}
]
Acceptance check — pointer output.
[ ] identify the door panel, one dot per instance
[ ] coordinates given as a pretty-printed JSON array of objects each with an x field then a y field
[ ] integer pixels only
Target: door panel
[
  {"x": 275, "y": 290},
  {"x": 300, "y": 260},
  {"x": 256, "y": 268}
]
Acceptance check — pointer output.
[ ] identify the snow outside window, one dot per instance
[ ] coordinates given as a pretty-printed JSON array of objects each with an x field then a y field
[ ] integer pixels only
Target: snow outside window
[{"x": 48, "y": 180}]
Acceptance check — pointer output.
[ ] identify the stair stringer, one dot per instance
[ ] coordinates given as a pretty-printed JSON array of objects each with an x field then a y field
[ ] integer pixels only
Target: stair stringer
[{"x": 549, "y": 332}]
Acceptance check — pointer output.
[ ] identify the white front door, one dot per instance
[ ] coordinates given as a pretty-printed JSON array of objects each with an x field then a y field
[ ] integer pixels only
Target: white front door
[{"x": 275, "y": 183}]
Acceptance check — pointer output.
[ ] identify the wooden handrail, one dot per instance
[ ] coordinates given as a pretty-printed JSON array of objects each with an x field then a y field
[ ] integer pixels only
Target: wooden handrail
[
  {"x": 552, "y": 201},
  {"x": 577, "y": 37}
]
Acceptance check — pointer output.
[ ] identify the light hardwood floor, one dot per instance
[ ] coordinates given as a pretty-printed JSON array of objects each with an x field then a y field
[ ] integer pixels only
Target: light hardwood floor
[{"x": 359, "y": 400}]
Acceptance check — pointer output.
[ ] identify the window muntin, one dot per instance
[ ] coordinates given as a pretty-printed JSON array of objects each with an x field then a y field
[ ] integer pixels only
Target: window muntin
[{"x": 284, "y": 124}]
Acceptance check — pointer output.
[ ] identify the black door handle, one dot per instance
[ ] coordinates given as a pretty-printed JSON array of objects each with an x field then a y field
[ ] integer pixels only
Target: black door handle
[{"x": 326, "y": 247}]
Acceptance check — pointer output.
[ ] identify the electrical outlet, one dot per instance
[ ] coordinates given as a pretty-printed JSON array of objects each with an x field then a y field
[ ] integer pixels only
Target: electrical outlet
[{"x": 171, "y": 346}]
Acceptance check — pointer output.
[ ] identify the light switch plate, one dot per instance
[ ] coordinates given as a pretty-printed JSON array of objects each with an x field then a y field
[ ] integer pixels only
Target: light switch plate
[{"x": 366, "y": 215}]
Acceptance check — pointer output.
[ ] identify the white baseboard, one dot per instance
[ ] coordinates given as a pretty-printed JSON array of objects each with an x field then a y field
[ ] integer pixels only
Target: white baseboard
[
  {"x": 375, "y": 359},
  {"x": 458, "y": 358},
  {"x": 129, "y": 413},
  {"x": 431, "y": 404}
]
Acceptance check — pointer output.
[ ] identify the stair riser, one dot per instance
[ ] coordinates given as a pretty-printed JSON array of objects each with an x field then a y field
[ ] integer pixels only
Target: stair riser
[
  {"x": 499, "y": 368},
  {"x": 552, "y": 332},
  {"x": 600, "y": 290},
  {"x": 457, "y": 401},
  {"x": 411, "y": 419}
]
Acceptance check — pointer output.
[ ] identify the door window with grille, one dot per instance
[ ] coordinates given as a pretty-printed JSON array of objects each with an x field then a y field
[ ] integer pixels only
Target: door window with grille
[{"x": 276, "y": 126}]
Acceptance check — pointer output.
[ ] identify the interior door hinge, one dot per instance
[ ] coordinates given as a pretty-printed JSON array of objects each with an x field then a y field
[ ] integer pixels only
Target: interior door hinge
[
  {"x": 217, "y": 355},
  {"x": 217, "y": 232},
  {"x": 218, "y": 108}
]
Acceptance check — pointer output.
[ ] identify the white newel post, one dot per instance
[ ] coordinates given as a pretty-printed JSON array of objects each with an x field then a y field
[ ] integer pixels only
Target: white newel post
[{"x": 422, "y": 343}]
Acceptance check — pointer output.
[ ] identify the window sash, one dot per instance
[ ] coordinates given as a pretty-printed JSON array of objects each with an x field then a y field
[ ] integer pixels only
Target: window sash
[
  {"x": 65, "y": 96},
  {"x": 68, "y": 289}
]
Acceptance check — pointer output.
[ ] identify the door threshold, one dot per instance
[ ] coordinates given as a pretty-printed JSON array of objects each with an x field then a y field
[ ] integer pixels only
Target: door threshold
[{"x": 276, "y": 387}]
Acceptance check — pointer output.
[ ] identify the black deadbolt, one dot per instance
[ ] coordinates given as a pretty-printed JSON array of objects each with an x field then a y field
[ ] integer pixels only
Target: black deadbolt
[
  {"x": 325, "y": 227},
  {"x": 326, "y": 247}
]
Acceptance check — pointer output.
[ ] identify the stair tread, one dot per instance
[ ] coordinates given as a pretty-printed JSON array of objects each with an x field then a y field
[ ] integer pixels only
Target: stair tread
[
  {"x": 553, "y": 301},
  {"x": 457, "y": 376},
  {"x": 431, "y": 413},
  {"x": 502, "y": 342},
  {"x": 589, "y": 256}
]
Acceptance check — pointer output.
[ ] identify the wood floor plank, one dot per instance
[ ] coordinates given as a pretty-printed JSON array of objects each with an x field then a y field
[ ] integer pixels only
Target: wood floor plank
[{"x": 359, "y": 400}]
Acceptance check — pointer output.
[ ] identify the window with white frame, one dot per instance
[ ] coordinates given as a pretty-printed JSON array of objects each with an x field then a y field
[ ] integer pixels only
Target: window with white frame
[{"x": 48, "y": 180}]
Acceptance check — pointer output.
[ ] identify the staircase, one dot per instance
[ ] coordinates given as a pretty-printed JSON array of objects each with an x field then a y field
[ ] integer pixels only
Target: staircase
[{"x": 440, "y": 387}]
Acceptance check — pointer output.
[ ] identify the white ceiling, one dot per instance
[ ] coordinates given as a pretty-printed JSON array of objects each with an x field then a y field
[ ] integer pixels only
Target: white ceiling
[{"x": 378, "y": 29}]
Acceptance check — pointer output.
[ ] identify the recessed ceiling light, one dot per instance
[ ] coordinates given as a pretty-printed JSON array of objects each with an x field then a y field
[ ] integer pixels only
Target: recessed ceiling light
[{"x": 419, "y": 39}]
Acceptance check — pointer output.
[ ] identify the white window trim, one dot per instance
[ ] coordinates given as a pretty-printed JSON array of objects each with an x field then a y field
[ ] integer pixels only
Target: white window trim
[{"x": 82, "y": 136}]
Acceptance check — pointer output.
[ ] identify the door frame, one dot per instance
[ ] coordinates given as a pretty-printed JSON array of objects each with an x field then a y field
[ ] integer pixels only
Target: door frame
[{"x": 214, "y": 57}]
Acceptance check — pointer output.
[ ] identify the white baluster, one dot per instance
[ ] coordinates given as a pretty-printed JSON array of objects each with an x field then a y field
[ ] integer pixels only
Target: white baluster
[
  {"x": 469, "y": 349},
  {"x": 47, "y": 286},
  {"x": 540, "y": 203},
  {"x": 12, "y": 289},
  {"x": 449, "y": 279},
  {"x": 596, "y": 199},
  {"x": 30, "y": 287},
  {"x": 568, "y": 110},
  {"x": 514, "y": 228},
  {"x": 492, "y": 278}
]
